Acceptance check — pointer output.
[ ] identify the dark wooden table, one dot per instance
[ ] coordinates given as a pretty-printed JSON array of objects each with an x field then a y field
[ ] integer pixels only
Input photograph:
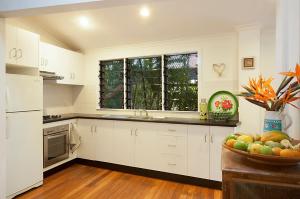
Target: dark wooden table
[{"x": 244, "y": 179}]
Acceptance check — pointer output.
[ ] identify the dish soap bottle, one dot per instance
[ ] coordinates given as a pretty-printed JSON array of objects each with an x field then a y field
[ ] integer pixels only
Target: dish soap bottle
[{"x": 203, "y": 109}]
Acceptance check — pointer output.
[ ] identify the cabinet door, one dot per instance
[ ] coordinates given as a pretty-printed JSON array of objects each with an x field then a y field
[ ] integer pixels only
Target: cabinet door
[
  {"x": 76, "y": 66},
  {"x": 87, "y": 149},
  {"x": 104, "y": 138},
  {"x": 71, "y": 67},
  {"x": 64, "y": 68},
  {"x": 123, "y": 144},
  {"x": 11, "y": 44},
  {"x": 27, "y": 48},
  {"x": 49, "y": 57},
  {"x": 217, "y": 136},
  {"x": 146, "y": 146},
  {"x": 198, "y": 151}
]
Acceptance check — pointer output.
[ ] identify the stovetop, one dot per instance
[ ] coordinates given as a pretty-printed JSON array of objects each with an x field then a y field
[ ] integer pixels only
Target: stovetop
[{"x": 51, "y": 117}]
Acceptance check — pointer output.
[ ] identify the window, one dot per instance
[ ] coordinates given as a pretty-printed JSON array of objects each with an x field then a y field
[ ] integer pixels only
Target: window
[
  {"x": 176, "y": 89},
  {"x": 112, "y": 84},
  {"x": 181, "y": 82},
  {"x": 144, "y": 83}
]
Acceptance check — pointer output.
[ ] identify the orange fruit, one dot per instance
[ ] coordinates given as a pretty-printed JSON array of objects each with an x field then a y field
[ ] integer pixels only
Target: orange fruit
[
  {"x": 289, "y": 153},
  {"x": 230, "y": 142},
  {"x": 276, "y": 150}
]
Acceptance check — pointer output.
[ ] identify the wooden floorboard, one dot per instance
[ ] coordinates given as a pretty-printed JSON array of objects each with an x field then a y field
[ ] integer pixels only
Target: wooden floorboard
[{"x": 85, "y": 182}]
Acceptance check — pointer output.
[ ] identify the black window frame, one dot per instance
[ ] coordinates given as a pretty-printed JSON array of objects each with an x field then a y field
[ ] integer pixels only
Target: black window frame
[
  {"x": 102, "y": 83},
  {"x": 128, "y": 94},
  {"x": 166, "y": 83}
]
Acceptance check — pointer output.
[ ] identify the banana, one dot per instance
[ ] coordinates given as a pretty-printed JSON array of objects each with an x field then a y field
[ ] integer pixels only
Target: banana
[{"x": 275, "y": 136}]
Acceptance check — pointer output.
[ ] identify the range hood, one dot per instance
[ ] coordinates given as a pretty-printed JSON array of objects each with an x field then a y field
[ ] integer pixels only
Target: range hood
[{"x": 50, "y": 76}]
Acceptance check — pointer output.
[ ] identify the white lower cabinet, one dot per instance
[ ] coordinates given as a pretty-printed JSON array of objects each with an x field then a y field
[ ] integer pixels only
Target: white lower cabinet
[
  {"x": 123, "y": 143},
  {"x": 198, "y": 151},
  {"x": 104, "y": 139},
  {"x": 146, "y": 146},
  {"x": 172, "y": 148},
  {"x": 86, "y": 129},
  {"x": 191, "y": 150},
  {"x": 217, "y": 136}
]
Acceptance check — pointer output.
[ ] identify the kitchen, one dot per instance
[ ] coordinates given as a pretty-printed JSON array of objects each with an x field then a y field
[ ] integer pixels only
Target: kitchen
[{"x": 83, "y": 103}]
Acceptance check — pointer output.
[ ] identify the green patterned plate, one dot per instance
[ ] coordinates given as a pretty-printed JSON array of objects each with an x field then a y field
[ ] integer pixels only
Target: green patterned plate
[{"x": 223, "y": 103}]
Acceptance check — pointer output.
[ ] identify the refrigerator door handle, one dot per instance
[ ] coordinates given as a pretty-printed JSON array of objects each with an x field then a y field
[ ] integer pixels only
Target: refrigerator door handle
[
  {"x": 7, "y": 98},
  {"x": 7, "y": 129}
]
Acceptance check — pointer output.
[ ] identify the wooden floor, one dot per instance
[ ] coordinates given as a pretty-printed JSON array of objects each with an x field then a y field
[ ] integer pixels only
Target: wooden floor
[{"x": 80, "y": 181}]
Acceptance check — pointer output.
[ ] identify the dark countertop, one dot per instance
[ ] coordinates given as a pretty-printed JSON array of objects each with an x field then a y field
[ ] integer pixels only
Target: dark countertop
[{"x": 171, "y": 120}]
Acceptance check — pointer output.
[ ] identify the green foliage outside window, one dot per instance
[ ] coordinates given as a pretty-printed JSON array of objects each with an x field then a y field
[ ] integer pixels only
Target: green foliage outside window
[
  {"x": 112, "y": 84},
  {"x": 181, "y": 82},
  {"x": 144, "y": 84}
]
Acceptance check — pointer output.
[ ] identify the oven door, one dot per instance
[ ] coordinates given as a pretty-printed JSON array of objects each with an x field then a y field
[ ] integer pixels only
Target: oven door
[{"x": 56, "y": 148}]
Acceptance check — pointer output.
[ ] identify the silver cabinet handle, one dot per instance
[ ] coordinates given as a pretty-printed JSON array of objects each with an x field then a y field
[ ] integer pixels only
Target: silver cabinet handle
[
  {"x": 135, "y": 132},
  {"x": 7, "y": 129},
  {"x": 21, "y": 54},
  {"x": 131, "y": 132},
  {"x": 15, "y": 53},
  {"x": 211, "y": 139},
  {"x": 172, "y": 164},
  {"x": 171, "y": 145},
  {"x": 205, "y": 138},
  {"x": 172, "y": 130}
]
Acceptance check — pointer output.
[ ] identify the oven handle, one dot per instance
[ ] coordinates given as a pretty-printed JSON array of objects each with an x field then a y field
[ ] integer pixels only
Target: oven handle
[{"x": 56, "y": 135}]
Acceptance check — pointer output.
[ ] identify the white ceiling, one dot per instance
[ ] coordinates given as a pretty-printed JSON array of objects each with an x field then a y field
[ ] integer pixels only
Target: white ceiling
[{"x": 169, "y": 19}]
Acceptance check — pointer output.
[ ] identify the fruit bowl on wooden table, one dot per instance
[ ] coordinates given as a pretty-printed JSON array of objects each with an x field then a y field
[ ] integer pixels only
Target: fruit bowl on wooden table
[{"x": 271, "y": 148}]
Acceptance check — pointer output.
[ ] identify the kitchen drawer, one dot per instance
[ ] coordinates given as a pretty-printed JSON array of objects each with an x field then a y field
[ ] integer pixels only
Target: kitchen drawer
[
  {"x": 172, "y": 129},
  {"x": 173, "y": 164},
  {"x": 172, "y": 144}
]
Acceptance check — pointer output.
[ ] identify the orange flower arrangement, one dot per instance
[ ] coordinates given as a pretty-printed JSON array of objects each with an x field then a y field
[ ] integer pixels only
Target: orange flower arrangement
[{"x": 261, "y": 93}]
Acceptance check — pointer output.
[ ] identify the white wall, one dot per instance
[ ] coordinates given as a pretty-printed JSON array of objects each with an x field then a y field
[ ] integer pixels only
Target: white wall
[
  {"x": 249, "y": 46},
  {"x": 58, "y": 99},
  {"x": 211, "y": 49},
  {"x": 288, "y": 49},
  {"x": 2, "y": 114}
]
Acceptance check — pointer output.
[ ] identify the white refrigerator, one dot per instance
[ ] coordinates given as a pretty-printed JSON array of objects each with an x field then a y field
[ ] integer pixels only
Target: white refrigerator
[{"x": 24, "y": 133}]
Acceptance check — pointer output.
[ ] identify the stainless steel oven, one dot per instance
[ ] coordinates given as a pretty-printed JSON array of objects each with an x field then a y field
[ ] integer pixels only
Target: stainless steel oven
[{"x": 56, "y": 144}]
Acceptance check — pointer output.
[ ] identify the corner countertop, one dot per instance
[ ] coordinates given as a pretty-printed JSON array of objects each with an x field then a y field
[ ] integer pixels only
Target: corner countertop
[{"x": 171, "y": 120}]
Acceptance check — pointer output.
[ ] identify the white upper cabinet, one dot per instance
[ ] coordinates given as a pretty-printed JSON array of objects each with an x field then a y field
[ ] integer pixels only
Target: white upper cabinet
[
  {"x": 71, "y": 68},
  {"x": 63, "y": 62},
  {"x": 49, "y": 57},
  {"x": 22, "y": 47}
]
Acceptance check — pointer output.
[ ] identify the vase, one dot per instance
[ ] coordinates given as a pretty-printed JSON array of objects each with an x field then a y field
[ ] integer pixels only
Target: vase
[{"x": 277, "y": 121}]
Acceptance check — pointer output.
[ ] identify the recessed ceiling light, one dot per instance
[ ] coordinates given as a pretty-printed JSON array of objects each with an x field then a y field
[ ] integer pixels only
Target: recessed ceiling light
[
  {"x": 84, "y": 22},
  {"x": 145, "y": 12}
]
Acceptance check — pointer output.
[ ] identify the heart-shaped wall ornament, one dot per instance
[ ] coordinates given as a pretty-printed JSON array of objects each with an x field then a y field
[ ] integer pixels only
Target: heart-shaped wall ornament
[{"x": 219, "y": 68}]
